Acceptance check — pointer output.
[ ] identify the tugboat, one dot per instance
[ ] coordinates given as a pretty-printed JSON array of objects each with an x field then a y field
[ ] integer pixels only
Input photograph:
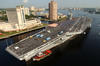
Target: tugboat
[
  {"x": 41, "y": 55},
  {"x": 0, "y": 34}
]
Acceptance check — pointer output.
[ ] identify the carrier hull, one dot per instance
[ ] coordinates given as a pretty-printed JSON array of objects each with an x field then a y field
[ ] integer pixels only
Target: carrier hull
[{"x": 76, "y": 27}]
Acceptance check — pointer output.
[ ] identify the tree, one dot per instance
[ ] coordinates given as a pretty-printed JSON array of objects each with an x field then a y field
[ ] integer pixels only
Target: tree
[
  {"x": 29, "y": 16},
  {"x": 4, "y": 18}
]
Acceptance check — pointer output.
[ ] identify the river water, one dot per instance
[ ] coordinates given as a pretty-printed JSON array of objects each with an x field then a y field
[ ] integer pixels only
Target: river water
[{"x": 85, "y": 52}]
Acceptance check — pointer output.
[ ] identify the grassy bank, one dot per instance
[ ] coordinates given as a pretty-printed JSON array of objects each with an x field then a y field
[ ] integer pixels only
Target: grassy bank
[
  {"x": 97, "y": 12},
  {"x": 62, "y": 19},
  {"x": 8, "y": 34},
  {"x": 44, "y": 19}
]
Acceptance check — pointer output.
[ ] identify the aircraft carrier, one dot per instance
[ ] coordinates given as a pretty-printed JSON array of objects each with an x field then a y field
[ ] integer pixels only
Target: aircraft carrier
[{"x": 52, "y": 36}]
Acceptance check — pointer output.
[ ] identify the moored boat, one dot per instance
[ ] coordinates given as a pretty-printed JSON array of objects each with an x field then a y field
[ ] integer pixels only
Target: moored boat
[{"x": 41, "y": 55}]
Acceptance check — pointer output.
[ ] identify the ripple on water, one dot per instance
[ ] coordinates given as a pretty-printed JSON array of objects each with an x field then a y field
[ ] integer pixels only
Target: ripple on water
[
  {"x": 98, "y": 24},
  {"x": 99, "y": 33},
  {"x": 98, "y": 37}
]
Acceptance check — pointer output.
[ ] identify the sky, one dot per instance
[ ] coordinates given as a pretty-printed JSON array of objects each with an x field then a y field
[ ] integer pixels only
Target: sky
[{"x": 44, "y": 3}]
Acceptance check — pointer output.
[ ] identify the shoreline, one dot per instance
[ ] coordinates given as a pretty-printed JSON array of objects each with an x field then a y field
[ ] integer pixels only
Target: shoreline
[
  {"x": 5, "y": 37},
  {"x": 21, "y": 33}
]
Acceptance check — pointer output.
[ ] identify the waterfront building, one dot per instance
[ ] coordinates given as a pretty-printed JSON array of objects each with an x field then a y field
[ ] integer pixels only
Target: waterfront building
[
  {"x": 53, "y": 10},
  {"x": 36, "y": 9},
  {"x": 16, "y": 17},
  {"x": 74, "y": 8},
  {"x": 43, "y": 9},
  {"x": 39, "y": 9},
  {"x": 32, "y": 8},
  {"x": 17, "y": 21},
  {"x": 27, "y": 11},
  {"x": 62, "y": 16},
  {"x": 58, "y": 17},
  {"x": 1, "y": 15},
  {"x": 33, "y": 13}
]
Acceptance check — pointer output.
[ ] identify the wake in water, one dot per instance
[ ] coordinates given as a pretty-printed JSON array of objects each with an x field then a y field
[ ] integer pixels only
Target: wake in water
[
  {"x": 97, "y": 37},
  {"x": 99, "y": 33},
  {"x": 99, "y": 25}
]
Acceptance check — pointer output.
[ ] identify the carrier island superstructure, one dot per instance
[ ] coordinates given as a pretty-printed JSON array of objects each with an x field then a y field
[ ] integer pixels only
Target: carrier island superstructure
[{"x": 53, "y": 35}]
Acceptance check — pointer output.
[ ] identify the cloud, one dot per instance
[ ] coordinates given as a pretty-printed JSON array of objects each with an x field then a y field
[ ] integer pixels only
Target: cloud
[{"x": 25, "y": 1}]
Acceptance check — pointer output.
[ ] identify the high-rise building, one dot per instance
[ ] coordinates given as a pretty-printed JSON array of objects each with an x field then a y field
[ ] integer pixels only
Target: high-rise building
[
  {"x": 32, "y": 8},
  {"x": 16, "y": 17},
  {"x": 53, "y": 10},
  {"x": 26, "y": 11}
]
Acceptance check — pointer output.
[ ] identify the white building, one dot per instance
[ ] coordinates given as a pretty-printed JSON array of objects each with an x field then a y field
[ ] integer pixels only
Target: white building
[
  {"x": 6, "y": 27},
  {"x": 17, "y": 21},
  {"x": 16, "y": 17},
  {"x": 32, "y": 23},
  {"x": 43, "y": 9},
  {"x": 32, "y": 8},
  {"x": 26, "y": 11}
]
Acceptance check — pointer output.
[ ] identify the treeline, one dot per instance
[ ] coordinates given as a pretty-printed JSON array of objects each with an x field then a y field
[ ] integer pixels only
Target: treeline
[
  {"x": 62, "y": 19},
  {"x": 29, "y": 16},
  {"x": 32, "y": 16},
  {"x": 97, "y": 12},
  {"x": 2, "y": 12},
  {"x": 4, "y": 18},
  {"x": 47, "y": 9}
]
